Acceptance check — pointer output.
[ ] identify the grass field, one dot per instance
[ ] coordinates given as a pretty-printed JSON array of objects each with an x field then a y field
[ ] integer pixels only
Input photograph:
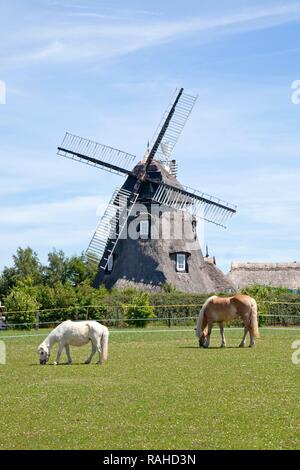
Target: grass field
[{"x": 158, "y": 390}]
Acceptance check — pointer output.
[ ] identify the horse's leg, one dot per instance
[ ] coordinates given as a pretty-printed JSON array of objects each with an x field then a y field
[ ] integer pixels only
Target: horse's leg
[
  {"x": 96, "y": 340},
  {"x": 207, "y": 343},
  {"x": 67, "y": 348},
  {"x": 94, "y": 349},
  {"x": 59, "y": 351},
  {"x": 223, "y": 344},
  {"x": 242, "y": 343},
  {"x": 204, "y": 325},
  {"x": 99, "y": 351},
  {"x": 252, "y": 342}
]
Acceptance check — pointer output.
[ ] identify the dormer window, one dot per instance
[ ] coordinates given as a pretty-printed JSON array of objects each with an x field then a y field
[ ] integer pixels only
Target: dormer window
[
  {"x": 144, "y": 228},
  {"x": 181, "y": 262}
]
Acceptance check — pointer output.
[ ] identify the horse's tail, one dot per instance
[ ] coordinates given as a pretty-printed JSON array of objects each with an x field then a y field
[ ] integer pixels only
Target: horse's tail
[
  {"x": 104, "y": 344},
  {"x": 253, "y": 319},
  {"x": 199, "y": 327}
]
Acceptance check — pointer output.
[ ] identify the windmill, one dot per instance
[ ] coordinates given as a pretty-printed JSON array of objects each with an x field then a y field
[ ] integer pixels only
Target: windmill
[{"x": 147, "y": 259}]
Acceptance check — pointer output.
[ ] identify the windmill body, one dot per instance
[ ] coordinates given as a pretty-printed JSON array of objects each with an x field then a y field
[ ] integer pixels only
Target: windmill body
[{"x": 147, "y": 236}]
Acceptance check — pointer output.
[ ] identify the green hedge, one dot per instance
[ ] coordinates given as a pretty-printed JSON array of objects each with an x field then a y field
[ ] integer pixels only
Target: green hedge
[{"x": 61, "y": 302}]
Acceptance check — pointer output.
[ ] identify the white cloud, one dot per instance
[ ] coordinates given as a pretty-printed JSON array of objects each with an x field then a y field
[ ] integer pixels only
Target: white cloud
[
  {"x": 97, "y": 37},
  {"x": 54, "y": 50},
  {"x": 68, "y": 224},
  {"x": 63, "y": 212}
]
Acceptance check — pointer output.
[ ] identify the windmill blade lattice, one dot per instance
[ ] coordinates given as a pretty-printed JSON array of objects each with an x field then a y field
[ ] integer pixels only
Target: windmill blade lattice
[
  {"x": 95, "y": 154},
  {"x": 199, "y": 204},
  {"x": 110, "y": 227},
  {"x": 181, "y": 113}
]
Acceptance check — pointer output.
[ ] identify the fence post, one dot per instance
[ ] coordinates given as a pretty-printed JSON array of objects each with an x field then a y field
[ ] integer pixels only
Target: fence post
[
  {"x": 117, "y": 318},
  {"x": 169, "y": 318},
  {"x": 37, "y": 320}
]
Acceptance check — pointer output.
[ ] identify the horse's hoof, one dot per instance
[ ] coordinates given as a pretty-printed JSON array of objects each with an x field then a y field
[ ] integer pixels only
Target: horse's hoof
[
  {"x": 87, "y": 362},
  {"x": 55, "y": 363},
  {"x": 223, "y": 346},
  {"x": 241, "y": 345},
  {"x": 251, "y": 345}
]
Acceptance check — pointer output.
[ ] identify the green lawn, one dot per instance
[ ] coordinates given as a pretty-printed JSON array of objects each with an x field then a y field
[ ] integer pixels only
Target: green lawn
[{"x": 158, "y": 390}]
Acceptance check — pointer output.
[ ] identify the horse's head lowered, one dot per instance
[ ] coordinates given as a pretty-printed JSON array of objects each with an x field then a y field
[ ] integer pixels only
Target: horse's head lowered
[
  {"x": 44, "y": 354},
  {"x": 203, "y": 339}
]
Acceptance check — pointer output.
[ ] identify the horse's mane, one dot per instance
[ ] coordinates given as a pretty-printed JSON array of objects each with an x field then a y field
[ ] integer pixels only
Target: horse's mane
[{"x": 199, "y": 329}]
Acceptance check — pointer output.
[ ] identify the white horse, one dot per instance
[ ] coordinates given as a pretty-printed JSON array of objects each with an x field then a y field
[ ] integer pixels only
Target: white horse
[{"x": 71, "y": 333}]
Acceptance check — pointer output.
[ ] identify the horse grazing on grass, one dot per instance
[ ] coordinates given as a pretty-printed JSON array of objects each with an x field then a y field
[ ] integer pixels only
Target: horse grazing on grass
[
  {"x": 71, "y": 333},
  {"x": 222, "y": 309}
]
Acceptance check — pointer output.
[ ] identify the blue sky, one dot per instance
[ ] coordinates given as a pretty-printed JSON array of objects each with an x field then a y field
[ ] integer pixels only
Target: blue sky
[{"x": 106, "y": 70}]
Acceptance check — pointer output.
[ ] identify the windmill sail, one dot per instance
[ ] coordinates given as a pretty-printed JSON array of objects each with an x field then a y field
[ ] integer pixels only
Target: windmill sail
[
  {"x": 199, "y": 204},
  {"x": 95, "y": 154},
  {"x": 172, "y": 124},
  {"x": 110, "y": 227}
]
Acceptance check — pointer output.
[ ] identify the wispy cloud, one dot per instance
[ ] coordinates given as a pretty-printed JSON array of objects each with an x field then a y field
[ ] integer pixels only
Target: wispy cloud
[
  {"x": 241, "y": 143},
  {"x": 68, "y": 224},
  {"x": 91, "y": 35}
]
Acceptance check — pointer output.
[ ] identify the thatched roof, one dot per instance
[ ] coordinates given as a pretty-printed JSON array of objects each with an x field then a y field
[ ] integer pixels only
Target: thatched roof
[
  {"x": 158, "y": 173},
  {"x": 221, "y": 282},
  {"x": 268, "y": 274},
  {"x": 150, "y": 263}
]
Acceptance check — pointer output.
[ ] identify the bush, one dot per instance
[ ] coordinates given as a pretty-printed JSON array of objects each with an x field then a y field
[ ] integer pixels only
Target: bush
[
  {"x": 264, "y": 295},
  {"x": 93, "y": 298},
  {"x": 168, "y": 288},
  {"x": 23, "y": 308},
  {"x": 140, "y": 310}
]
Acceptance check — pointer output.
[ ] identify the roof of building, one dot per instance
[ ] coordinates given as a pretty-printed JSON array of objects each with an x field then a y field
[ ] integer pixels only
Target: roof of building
[{"x": 271, "y": 274}]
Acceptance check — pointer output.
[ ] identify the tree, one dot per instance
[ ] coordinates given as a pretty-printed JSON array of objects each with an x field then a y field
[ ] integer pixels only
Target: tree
[
  {"x": 26, "y": 266},
  {"x": 7, "y": 281},
  {"x": 73, "y": 271},
  {"x": 57, "y": 269},
  {"x": 79, "y": 270},
  {"x": 22, "y": 306}
]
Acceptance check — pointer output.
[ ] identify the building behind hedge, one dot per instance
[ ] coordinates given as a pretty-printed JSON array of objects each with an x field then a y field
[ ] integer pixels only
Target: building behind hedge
[{"x": 268, "y": 274}]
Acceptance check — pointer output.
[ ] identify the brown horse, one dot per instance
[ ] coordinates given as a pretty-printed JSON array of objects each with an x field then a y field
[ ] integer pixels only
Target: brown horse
[{"x": 222, "y": 309}]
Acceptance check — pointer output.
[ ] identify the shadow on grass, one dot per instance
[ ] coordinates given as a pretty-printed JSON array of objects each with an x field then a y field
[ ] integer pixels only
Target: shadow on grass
[
  {"x": 65, "y": 364},
  {"x": 210, "y": 347}
]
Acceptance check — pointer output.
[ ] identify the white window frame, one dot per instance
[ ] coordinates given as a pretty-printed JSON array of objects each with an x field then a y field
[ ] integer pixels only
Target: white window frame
[
  {"x": 110, "y": 263},
  {"x": 181, "y": 262},
  {"x": 144, "y": 228}
]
